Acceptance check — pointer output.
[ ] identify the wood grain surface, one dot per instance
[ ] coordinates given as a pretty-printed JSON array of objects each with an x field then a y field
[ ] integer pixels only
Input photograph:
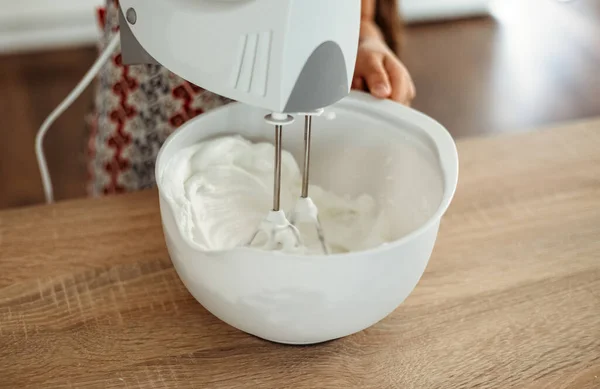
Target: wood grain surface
[{"x": 511, "y": 297}]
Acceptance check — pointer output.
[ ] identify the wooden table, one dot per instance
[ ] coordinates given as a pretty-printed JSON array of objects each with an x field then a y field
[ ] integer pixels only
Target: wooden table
[{"x": 511, "y": 298}]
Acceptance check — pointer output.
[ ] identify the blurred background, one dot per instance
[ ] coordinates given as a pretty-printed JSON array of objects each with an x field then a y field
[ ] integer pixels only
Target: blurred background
[{"x": 481, "y": 67}]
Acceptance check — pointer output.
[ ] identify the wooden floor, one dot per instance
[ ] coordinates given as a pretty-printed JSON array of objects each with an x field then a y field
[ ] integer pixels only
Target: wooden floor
[{"x": 535, "y": 63}]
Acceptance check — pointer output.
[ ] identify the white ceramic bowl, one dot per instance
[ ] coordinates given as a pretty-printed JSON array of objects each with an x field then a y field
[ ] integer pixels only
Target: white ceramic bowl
[{"x": 303, "y": 300}]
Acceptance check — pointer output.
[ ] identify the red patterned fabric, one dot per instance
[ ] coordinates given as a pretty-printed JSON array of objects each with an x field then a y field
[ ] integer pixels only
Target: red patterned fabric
[{"x": 135, "y": 109}]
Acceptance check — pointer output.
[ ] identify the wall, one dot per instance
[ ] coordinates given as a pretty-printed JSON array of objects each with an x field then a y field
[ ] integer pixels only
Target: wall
[
  {"x": 429, "y": 10},
  {"x": 39, "y": 24}
]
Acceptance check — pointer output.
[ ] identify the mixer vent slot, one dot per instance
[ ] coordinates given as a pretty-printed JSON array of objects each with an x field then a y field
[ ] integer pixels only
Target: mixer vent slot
[{"x": 251, "y": 71}]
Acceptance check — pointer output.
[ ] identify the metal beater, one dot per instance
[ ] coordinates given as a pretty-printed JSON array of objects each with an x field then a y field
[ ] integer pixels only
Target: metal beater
[
  {"x": 275, "y": 231},
  {"x": 305, "y": 210}
]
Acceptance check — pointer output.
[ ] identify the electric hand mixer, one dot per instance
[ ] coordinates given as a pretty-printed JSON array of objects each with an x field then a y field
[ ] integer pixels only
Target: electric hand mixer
[{"x": 290, "y": 57}]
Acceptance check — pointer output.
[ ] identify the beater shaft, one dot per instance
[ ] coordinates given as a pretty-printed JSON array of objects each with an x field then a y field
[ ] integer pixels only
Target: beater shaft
[
  {"x": 277, "y": 182},
  {"x": 307, "y": 141}
]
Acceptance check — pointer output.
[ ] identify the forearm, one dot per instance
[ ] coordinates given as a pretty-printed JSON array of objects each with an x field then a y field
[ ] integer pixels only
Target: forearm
[{"x": 368, "y": 26}]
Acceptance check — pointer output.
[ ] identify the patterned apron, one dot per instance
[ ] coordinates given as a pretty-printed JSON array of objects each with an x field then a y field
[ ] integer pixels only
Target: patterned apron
[{"x": 135, "y": 109}]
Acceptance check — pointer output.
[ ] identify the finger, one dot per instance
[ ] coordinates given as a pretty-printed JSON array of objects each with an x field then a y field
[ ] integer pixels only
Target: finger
[
  {"x": 403, "y": 89},
  {"x": 377, "y": 78},
  {"x": 358, "y": 83},
  {"x": 396, "y": 79},
  {"x": 410, "y": 92},
  {"x": 413, "y": 91}
]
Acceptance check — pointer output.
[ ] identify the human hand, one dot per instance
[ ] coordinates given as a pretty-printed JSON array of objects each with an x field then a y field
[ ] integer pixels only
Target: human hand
[{"x": 379, "y": 71}]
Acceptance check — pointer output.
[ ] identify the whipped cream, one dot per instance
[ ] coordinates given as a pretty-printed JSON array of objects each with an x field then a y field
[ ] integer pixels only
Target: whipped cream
[{"x": 222, "y": 189}]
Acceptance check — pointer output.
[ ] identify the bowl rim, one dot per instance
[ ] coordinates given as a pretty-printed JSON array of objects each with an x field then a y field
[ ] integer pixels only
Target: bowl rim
[{"x": 440, "y": 136}]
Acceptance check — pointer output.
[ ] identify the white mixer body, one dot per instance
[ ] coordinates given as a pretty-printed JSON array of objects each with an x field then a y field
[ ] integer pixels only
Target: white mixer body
[{"x": 281, "y": 55}]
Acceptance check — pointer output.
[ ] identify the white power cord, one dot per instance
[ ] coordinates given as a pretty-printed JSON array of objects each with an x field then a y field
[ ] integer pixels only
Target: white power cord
[{"x": 75, "y": 93}]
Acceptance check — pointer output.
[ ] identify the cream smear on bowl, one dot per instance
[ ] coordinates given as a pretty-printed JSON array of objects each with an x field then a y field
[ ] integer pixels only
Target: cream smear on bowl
[{"x": 222, "y": 188}]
